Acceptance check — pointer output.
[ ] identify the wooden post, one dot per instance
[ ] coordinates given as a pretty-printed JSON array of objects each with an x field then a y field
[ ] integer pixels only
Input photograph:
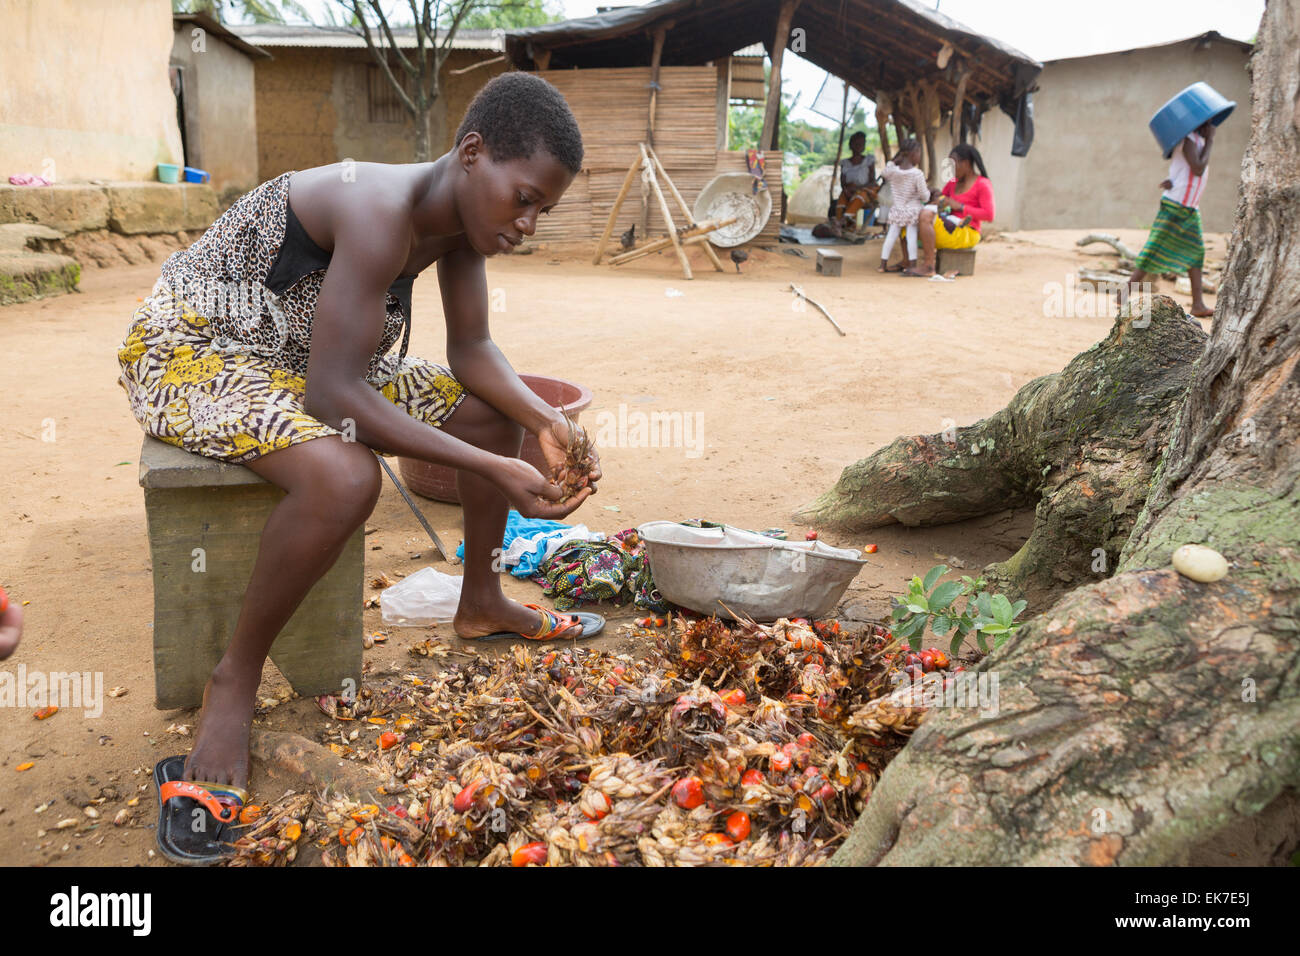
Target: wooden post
[
  {"x": 955, "y": 125},
  {"x": 686, "y": 210},
  {"x": 772, "y": 109},
  {"x": 657, "y": 54},
  {"x": 839, "y": 147},
  {"x": 667, "y": 214},
  {"x": 613, "y": 213}
]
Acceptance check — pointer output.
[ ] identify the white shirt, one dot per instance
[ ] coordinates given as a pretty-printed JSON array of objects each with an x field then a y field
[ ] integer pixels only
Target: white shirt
[
  {"x": 1187, "y": 186},
  {"x": 856, "y": 174}
]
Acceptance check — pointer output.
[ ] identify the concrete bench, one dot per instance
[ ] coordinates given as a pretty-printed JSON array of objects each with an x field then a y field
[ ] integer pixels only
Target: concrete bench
[
  {"x": 205, "y": 522},
  {"x": 829, "y": 263}
]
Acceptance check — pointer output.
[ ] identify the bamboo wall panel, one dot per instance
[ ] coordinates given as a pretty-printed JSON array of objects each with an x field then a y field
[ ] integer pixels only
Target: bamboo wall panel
[{"x": 612, "y": 107}]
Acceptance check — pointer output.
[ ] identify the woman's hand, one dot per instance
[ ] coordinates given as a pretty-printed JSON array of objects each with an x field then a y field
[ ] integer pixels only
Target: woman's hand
[
  {"x": 529, "y": 493},
  {"x": 554, "y": 440},
  {"x": 1166, "y": 184}
]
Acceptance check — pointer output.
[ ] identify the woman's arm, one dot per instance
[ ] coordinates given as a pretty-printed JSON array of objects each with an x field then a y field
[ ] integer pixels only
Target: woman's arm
[
  {"x": 346, "y": 331},
  {"x": 1199, "y": 159},
  {"x": 480, "y": 366},
  {"x": 474, "y": 358},
  {"x": 979, "y": 204}
]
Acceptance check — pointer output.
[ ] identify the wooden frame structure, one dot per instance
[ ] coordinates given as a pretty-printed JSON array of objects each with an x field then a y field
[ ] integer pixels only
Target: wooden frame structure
[{"x": 650, "y": 170}]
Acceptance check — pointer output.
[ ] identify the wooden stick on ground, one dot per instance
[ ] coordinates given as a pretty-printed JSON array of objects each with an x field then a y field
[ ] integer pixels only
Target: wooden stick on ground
[
  {"x": 668, "y": 216},
  {"x": 801, "y": 294},
  {"x": 613, "y": 213},
  {"x": 686, "y": 210},
  {"x": 1112, "y": 241}
]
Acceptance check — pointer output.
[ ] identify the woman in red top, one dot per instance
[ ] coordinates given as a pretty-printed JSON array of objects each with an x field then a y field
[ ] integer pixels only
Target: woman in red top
[{"x": 969, "y": 196}]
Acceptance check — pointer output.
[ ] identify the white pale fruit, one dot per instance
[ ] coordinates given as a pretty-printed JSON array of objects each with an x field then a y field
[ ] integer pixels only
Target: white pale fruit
[{"x": 1200, "y": 563}]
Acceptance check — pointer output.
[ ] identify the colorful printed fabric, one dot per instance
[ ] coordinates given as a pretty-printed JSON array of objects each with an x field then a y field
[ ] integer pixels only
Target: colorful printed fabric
[
  {"x": 235, "y": 405},
  {"x": 1175, "y": 243},
  {"x": 588, "y": 571}
]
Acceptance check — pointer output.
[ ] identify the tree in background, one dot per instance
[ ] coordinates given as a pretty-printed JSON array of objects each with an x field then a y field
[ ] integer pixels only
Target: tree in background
[
  {"x": 414, "y": 72},
  {"x": 524, "y": 13},
  {"x": 244, "y": 11}
]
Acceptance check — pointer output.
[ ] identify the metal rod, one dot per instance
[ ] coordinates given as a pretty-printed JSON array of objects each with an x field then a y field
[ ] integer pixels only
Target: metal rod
[{"x": 437, "y": 541}]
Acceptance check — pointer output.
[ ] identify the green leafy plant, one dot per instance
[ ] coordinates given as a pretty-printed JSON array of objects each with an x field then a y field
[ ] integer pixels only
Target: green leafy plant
[{"x": 934, "y": 605}]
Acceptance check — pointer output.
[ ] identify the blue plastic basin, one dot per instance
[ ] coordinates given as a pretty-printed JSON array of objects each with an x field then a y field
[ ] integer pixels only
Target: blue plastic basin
[
  {"x": 194, "y": 175},
  {"x": 1186, "y": 112}
]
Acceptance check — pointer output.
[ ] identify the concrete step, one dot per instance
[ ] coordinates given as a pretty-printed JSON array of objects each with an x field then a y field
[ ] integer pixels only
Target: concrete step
[{"x": 25, "y": 272}]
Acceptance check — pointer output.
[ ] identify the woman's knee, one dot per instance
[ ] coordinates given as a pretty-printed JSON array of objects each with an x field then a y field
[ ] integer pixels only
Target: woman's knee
[{"x": 345, "y": 482}]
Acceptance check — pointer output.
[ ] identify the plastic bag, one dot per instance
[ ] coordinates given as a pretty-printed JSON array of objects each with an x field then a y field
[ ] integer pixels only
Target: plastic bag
[{"x": 426, "y": 597}]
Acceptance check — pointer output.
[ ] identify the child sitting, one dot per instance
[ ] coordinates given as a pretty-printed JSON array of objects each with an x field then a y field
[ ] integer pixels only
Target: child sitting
[
  {"x": 941, "y": 206},
  {"x": 910, "y": 194}
]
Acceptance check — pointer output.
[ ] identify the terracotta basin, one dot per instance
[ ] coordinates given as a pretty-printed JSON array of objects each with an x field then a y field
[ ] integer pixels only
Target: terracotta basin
[{"x": 439, "y": 482}]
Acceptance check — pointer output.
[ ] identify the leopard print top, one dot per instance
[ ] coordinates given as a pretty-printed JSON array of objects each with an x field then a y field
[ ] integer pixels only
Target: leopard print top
[{"x": 255, "y": 276}]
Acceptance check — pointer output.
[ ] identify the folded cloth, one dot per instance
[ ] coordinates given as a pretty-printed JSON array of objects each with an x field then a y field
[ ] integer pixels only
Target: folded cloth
[
  {"x": 29, "y": 179},
  {"x": 516, "y": 525},
  {"x": 526, "y": 552},
  {"x": 615, "y": 570}
]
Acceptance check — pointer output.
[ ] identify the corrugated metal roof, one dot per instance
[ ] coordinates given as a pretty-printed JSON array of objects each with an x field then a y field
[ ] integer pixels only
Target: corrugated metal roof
[
  {"x": 877, "y": 45},
  {"x": 1206, "y": 38},
  {"x": 313, "y": 37}
]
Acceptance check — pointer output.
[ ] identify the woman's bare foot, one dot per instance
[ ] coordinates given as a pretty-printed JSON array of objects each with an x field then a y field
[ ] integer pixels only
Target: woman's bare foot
[
  {"x": 220, "y": 753},
  {"x": 490, "y": 615},
  {"x": 1202, "y": 311}
]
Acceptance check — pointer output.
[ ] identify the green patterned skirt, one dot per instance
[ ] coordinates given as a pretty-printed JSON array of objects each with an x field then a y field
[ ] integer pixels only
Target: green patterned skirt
[{"x": 1175, "y": 243}]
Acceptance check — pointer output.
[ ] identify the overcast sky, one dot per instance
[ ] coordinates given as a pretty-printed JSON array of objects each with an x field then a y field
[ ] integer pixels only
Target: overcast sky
[{"x": 1044, "y": 29}]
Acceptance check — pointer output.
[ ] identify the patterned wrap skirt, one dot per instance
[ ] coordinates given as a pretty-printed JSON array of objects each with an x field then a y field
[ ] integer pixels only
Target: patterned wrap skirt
[
  {"x": 1175, "y": 243},
  {"x": 235, "y": 405}
]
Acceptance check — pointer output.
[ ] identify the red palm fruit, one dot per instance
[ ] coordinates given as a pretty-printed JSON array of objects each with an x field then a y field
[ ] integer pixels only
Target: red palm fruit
[
  {"x": 927, "y": 661},
  {"x": 941, "y": 660},
  {"x": 805, "y": 739},
  {"x": 717, "y": 839},
  {"x": 388, "y": 740},
  {"x": 738, "y": 826},
  {"x": 734, "y": 698},
  {"x": 534, "y": 853},
  {"x": 688, "y": 792},
  {"x": 751, "y": 778},
  {"x": 780, "y": 762},
  {"x": 465, "y": 799}
]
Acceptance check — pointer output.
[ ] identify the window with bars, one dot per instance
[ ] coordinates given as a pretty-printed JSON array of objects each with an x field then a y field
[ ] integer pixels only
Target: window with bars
[{"x": 385, "y": 106}]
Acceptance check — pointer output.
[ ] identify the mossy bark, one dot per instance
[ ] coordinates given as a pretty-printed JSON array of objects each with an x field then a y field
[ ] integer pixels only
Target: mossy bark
[
  {"x": 1080, "y": 444},
  {"x": 1147, "y": 718}
]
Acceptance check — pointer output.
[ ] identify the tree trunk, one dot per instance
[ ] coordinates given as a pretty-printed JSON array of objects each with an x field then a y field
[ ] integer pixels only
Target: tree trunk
[
  {"x": 1147, "y": 717},
  {"x": 1080, "y": 444}
]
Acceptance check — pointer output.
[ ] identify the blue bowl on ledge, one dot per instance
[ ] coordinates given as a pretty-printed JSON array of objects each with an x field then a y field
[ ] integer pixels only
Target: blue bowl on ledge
[{"x": 1186, "y": 112}]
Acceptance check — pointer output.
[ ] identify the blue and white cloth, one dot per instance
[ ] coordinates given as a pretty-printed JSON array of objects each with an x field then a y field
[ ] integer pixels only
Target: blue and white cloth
[{"x": 530, "y": 541}]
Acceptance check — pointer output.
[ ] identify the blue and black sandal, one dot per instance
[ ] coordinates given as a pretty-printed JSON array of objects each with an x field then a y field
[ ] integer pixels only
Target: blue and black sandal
[{"x": 197, "y": 821}]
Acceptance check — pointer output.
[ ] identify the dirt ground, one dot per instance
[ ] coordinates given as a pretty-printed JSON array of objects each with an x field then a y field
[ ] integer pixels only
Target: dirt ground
[{"x": 785, "y": 402}]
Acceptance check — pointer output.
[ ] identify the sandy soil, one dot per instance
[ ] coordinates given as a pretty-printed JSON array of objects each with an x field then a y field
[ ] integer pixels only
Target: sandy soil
[{"x": 785, "y": 404}]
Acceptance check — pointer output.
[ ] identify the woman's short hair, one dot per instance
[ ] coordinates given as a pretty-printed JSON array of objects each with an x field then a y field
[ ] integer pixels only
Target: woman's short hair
[{"x": 516, "y": 113}]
